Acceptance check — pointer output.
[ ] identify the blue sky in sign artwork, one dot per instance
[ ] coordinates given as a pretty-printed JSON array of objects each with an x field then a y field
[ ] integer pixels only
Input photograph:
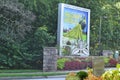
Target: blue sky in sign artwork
[{"x": 72, "y": 17}]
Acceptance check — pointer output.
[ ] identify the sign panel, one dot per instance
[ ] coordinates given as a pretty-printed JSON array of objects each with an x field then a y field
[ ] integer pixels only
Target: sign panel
[
  {"x": 73, "y": 30},
  {"x": 98, "y": 65}
]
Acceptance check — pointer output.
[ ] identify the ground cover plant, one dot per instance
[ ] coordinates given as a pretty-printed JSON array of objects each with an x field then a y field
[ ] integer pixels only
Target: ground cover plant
[{"x": 78, "y": 63}]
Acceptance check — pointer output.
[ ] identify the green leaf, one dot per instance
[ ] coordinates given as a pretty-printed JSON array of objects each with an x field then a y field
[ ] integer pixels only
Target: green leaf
[{"x": 118, "y": 66}]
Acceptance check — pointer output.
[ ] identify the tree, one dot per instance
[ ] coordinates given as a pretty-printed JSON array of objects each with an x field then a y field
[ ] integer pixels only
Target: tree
[
  {"x": 15, "y": 22},
  {"x": 35, "y": 45},
  {"x": 109, "y": 26}
]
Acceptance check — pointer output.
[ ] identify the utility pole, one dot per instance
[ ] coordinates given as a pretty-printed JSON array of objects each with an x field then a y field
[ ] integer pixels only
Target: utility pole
[
  {"x": 99, "y": 42},
  {"x": 100, "y": 30}
]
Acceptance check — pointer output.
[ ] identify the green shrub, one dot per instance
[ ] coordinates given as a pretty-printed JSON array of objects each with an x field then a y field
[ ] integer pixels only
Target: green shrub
[
  {"x": 106, "y": 60},
  {"x": 112, "y": 74},
  {"x": 82, "y": 75},
  {"x": 118, "y": 66},
  {"x": 61, "y": 62},
  {"x": 72, "y": 76}
]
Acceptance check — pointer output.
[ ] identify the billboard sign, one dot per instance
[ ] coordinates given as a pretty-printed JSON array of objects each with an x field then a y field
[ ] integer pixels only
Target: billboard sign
[{"x": 73, "y": 30}]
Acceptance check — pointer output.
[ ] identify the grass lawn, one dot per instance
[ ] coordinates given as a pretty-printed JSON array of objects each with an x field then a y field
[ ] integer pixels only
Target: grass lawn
[
  {"x": 18, "y": 71},
  {"x": 27, "y": 73}
]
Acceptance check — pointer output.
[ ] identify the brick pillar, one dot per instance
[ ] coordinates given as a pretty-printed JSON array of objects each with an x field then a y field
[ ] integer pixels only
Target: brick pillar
[{"x": 50, "y": 59}]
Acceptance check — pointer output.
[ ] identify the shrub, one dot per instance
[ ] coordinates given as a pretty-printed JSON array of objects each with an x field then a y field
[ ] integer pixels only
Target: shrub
[
  {"x": 117, "y": 65},
  {"x": 77, "y": 64},
  {"x": 111, "y": 75},
  {"x": 72, "y": 76},
  {"x": 112, "y": 62},
  {"x": 91, "y": 76},
  {"x": 82, "y": 75},
  {"x": 83, "y": 65},
  {"x": 106, "y": 60},
  {"x": 61, "y": 62},
  {"x": 72, "y": 65}
]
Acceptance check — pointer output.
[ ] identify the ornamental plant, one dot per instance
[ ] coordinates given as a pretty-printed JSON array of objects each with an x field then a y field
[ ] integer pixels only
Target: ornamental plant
[
  {"x": 61, "y": 62},
  {"x": 72, "y": 76},
  {"x": 113, "y": 62},
  {"x": 91, "y": 76},
  {"x": 82, "y": 75},
  {"x": 106, "y": 60},
  {"x": 77, "y": 64},
  {"x": 72, "y": 65},
  {"x": 112, "y": 74}
]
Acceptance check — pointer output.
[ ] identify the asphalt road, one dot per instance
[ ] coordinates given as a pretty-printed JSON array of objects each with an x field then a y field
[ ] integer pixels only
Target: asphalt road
[
  {"x": 46, "y": 79},
  {"x": 58, "y": 77}
]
